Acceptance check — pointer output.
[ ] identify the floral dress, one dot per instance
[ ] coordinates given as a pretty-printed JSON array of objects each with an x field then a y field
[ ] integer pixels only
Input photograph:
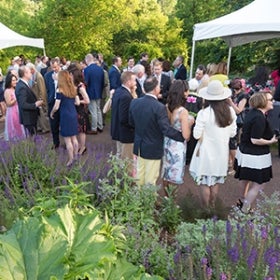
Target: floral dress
[{"x": 174, "y": 157}]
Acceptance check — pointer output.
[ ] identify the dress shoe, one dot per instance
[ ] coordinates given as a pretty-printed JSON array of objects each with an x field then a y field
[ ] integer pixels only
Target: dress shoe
[
  {"x": 92, "y": 132},
  {"x": 81, "y": 152},
  {"x": 99, "y": 130}
]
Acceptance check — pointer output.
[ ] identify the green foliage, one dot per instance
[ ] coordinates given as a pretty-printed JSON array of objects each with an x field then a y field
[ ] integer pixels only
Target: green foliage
[
  {"x": 62, "y": 235},
  {"x": 70, "y": 244},
  {"x": 123, "y": 200},
  {"x": 32, "y": 172},
  {"x": 216, "y": 50},
  {"x": 243, "y": 247},
  {"x": 170, "y": 213}
]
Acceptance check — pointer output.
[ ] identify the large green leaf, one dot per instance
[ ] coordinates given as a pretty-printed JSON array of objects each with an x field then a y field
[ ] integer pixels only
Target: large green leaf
[
  {"x": 31, "y": 251},
  {"x": 71, "y": 244}
]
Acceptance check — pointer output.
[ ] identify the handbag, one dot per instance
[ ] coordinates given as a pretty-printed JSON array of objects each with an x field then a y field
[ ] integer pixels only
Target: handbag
[{"x": 107, "y": 106}]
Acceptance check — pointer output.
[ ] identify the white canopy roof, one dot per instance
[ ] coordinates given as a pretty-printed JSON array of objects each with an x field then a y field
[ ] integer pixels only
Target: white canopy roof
[
  {"x": 9, "y": 38},
  {"x": 255, "y": 22}
]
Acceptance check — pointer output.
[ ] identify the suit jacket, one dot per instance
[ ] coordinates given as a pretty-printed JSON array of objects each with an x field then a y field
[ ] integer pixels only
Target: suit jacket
[
  {"x": 39, "y": 87},
  {"x": 139, "y": 90},
  {"x": 165, "y": 83},
  {"x": 51, "y": 89},
  {"x": 28, "y": 112},
  {"x": 149, "y": 117},
  {"x": 94, "y": 79},
  {"x": 121, "y": 130},
  {"x": 181, "y": 73},
  {"x": 115, "y": 78}
]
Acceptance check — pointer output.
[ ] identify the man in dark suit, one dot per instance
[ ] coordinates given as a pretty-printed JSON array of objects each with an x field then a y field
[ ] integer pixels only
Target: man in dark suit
[
  {"x": 139, "y": 71},
  {"x": 51, "y": 86},
  {"x": 27, "y": 102},
  {"x": 121, "y": 130},
  {"x": 94, "y": 78},
  {"x": 180, "y": 72},
  {"x": 115, "y": 74},
  {"x": 163, "y": 80},
  {"x": 150, "y": 121}
]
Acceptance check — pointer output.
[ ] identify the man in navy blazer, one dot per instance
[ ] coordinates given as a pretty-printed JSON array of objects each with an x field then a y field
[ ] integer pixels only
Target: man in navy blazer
[
  {"x": 27, "y": 102},
  {"x": 180, "y": 72},
  {"x": 149, "y": 118},
  {"x": 121, "y": 130},
  {"x": 94, "y": 78},
  {"x": 51, "y": 86},
  {"x": 115, "y": 73}
]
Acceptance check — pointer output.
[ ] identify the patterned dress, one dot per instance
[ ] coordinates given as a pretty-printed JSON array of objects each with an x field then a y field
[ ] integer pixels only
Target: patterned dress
[
  {"x": 82, "y": 110},
  {"x": 174, "y": 157}
]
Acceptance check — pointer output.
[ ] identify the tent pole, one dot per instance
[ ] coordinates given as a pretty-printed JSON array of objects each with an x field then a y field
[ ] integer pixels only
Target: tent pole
[
  {"x": 192, "y": 60},
  {"x": 228, "y": 61}
]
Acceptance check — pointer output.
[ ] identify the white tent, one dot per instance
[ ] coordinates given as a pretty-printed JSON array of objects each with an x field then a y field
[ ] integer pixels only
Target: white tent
[
  {"x": 9, "y": 38},
  {"x": 255, "y": 22}
]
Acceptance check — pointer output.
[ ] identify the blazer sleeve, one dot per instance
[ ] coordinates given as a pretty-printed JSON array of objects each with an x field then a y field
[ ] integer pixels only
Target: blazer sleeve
[
  {"x": 130, "y": 115},
  {"x": 165, "y": 127},
  {"x": 22, "y": 97},
  {"x": 113, "y": 78},
  {"x": 124, "y": 110}
]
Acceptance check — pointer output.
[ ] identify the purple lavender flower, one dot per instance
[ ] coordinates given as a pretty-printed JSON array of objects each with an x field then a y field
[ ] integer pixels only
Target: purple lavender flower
[
  {"x": 204, "y": 261},
  {"x": 264, "y": 233},
  {"x": 233, "y": 254},
  {"x": 228, "y": 228},
  {"x": 177, "y": 257},
  {"x": 209, "y": 272},
  {"x": 188, "y": 249},
  {"x": 223, "y": 276},
  {"x": 244, "y": 246},
  {"x": 272, "y": 258},
  {"x": 252, "y": 258}
]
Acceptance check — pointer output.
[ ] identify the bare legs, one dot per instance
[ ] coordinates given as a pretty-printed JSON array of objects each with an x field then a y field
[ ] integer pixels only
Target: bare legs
[
  {"x": 208, "y": 195},
  {"x": 82, "y": 143},
  {"x": 251, "y": 195},
  {"x": 72, "y": 148},
  {"x": 232, "y": 154}
]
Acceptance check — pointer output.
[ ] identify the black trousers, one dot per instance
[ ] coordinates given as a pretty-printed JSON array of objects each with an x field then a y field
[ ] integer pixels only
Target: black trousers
[
  {"x": 54, "y": 123},
  {"x": 30, "y": 130}
]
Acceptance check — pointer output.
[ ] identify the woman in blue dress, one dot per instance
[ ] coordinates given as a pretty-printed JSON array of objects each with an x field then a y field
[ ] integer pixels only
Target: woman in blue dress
[
  {"x": 174, "y": 158},
  {"x": 66, "y": 99}
]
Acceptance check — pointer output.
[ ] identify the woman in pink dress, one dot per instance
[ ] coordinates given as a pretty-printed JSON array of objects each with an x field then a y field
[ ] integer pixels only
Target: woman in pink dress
[{"x": 13, "y": 129}]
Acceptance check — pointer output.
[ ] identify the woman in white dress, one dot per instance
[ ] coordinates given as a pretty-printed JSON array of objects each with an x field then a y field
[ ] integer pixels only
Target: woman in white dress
[{"x": 215, "y": 124}]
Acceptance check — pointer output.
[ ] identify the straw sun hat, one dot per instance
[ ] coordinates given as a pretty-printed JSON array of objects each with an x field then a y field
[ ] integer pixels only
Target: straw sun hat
[{"x": 215, "y": 91}]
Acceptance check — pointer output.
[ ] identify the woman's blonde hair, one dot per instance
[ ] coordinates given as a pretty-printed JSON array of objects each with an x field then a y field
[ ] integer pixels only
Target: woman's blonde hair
[
  {"x": 65, "y": 84},
  {"x": 258, "y": 100}
]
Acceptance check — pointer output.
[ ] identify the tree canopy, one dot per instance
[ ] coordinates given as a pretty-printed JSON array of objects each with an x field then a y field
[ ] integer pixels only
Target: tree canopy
[{"x": 163, "y": 28}]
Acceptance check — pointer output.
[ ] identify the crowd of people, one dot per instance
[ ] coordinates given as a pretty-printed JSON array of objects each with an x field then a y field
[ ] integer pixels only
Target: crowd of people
[{"x": 162, "y": 122}]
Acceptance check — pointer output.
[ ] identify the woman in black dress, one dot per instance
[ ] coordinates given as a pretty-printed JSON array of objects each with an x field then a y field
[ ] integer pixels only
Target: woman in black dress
[
  {"x": 82, "y": 109},
  {"x": 253, "y": 158}
]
